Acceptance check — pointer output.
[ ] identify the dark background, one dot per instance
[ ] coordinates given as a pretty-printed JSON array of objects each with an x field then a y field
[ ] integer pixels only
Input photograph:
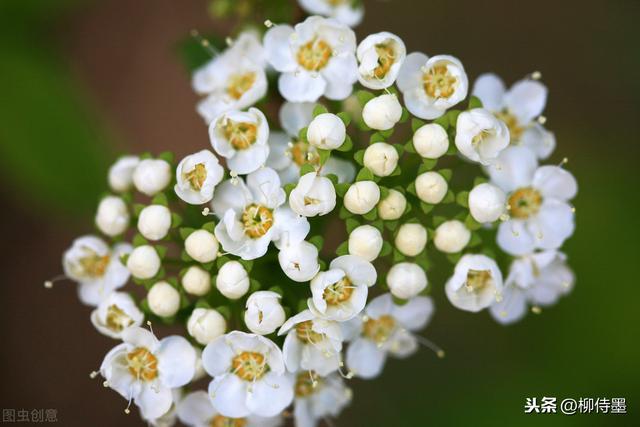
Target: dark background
[{"x": 81, "y": 81}]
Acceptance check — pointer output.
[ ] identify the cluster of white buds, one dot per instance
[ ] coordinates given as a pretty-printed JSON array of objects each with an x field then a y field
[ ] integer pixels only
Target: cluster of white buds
[{"x": 234, "y": 246}]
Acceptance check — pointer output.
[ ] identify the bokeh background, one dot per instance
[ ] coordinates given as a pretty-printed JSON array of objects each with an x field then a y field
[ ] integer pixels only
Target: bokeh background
[{"x": 84, "y": 80}]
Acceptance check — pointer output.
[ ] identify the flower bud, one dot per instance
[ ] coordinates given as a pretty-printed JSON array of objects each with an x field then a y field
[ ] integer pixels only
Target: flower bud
[
  {"x": 112, "y": 217},
  {"x": 143, "y": 262},
  {"x": 381, "y": 158},
  {"x": 154, "y": 222},
  {"x": 361, "y": 197},
  {"x": 451, "y": 237},
  {"x": 205, "y": 325},
  {"x": 411, "y": 239},
  {"x": 406, "y": 280},
  {"x": 313, "y": 195},
  {"x": 431, "y": 187},
  {"x": 326, "y": 131},
  {"x": 366, "y": 242},
  {"x": 431, "y": 141},
  {"x": 151, "y": 176},
  {"x": 202, "y": 246},
  {"x": 232, "y": 280},
  {"x": 299, "y": 261},
  {"x": 196, "y": 281},
  {"x": 163, "y": 299},
  {"x": 393, "y": 206},
  {"x": 480, "y": 136},
  {"x": 382, "y": 112},
  {"x": 264, "y": 313},
  {"x": 476, "y": 283},
  {"x": 486, "y": 202},
  {"x": 121, "y": 173}
]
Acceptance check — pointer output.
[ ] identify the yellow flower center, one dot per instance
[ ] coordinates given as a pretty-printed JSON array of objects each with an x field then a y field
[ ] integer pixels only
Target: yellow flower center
[
  {"x": 306, "y": 383},
  {"x": 339, "y": 292},
  {"x": 143, "y": 365},
  {"x": 515, "y": 129},
  {"x": 386, "y": 58},
  {"x": 92, "y": 265},
  {"x": 222, "y": 421},
  {"x": 196, "y": 176},
  {"x": 241, "y": 135},
  {"x": 239, "y": 84},
  {"x": 306, "y": 334},
  {"x": 117, "y": 319},
  {"x": 524, "y": 202},
  {"x": 438, "y": 82},
  {"x": 257, "y": 220},
  {"x": 315, "y": 55},
  {"x": 303, "y": 152},
  {"x": 249, "y": 365},
  {"x": 379, "y": 330},
  {"x": 477, "y": 280}
]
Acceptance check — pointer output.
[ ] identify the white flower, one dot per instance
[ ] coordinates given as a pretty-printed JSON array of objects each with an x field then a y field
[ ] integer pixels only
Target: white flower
[
  {"x": 312, "y": 344},
  {"x": 169, "y": 418},
  {"x": 411, "y": 239},
  {"x": 205, "y": 325},
  {"x": 314, "y": 195},
  {"x": 115, "y": 313},
  {"x": 487, "y": 202},
  {"x": 318, "y": 398},
  {"x": 406, "y": 280},
  {"x": 476, "y": 283},
  {"x": 518, "y": 108},
  {"x": 366, "y": 242},
  {"x": 241, "y": 137},
  {"x": 480, "y": 136},
  {"x": 202, "y": 246},
  {"x": 154, "y": 222},
  {"x": 326, "y": 131},
  {"x": 232, "y": 280},
  {"x": 196, "y": 281},
  {"x": 121, "y": 173},
  {"x": 386, "y": 329},
  {"x": 344, "y": 11},
  {"x": 431, "y": 141},
  {"x": 341, "y": 292},
  {"x": 539, "y": 279},
  {"x": 196, "y": 410},
  {"x": 144, "y": 262},
  {"x": 451, "y": 236},
  {"x": 361, "y": 197},
  {"x": 264, "y": 312},
  {"x": 537, "y": 202},
  {"x": 197, "y": 176},
  {"x": 146, "y": 370},
  {"x": 381, "y": 158},
  {"x": 113, "y": 216},
  {"x": 151, "y": 176},
  {"x": 163, "y": 299},
  {"x": 248, "y": 376},
  {"x": 432, "y": 85},
  {"x": 251, "y": 215},
  {"x": 431, "y": 187},
  {"x": 299, "y": 261},
  {"x": 393, "y": 206},
  {"x": 96, "y": 267},
  {"x": 382, "y": 112},
  {"x": 316, "y": 58},
  {"x": 380, "y": 56}
]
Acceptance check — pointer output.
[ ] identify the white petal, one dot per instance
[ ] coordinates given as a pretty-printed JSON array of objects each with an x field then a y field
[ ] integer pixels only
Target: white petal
[
  {"x": 357, "y": 269},
  {"x": 196, "y": 409},
  {"x": 176, "y": 361},
  {"x": 340, "y": 74},
  {"x": 419, "y": 105},
  {"x": 270, "y": 395},
  {"x": 526, "y": 99},
  {"x": 301, "y": 86},
  {"x": 248, "y": 160},
  {"x": 555, "y": 182},
  {"x": 292, "y": 350},
  {"x": 553, "y": 224},
  {"x": 410, "y": 75},
  {"x": 140, "y": 337},
  {"x": 414, "y": 314},
  {"x": 491, "y": 91},
  {"x": 365, "y": 359},
  {"x": 154, "y": 402},
  {"x": 513, "y": 169},
  {"x": 514, "y": 238},
  {"x": 216, "y": 357},
  {"x": 296, "y": 115},
  {"x": 230, "y": 196},
  {"x": 511, "y": 308},
  {"x": 265, "y": 188},
  {"x": 277, "y": 48},
  {"x": 228, "y": 395}
]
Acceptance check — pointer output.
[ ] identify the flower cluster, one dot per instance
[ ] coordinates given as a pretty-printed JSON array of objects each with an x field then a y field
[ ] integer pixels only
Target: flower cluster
[{"x": 396, "y": 150}]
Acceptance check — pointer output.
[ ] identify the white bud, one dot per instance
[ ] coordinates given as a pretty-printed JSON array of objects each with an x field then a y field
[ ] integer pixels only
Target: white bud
[
  {"x": 163, "y": 299},
  {"x": 411, "y": 239},
  {"x": 112, "y": 217},
  {"x": 299, "y": 261},
  {"x": 406, "y": 280},
  {"x": 313, "y": 195},
  {"x": 431, "y": 187},
  {"x": 143, "y": 262},
  {"x": 264, "y": 313},
  {"x": 393, "y": 206},
  {"x": 431, "y": 141},
  {"x": 154, "y": 222},
  {"x": 151, "y": 176},
  {"x": 196, "y": 281},
  {"x": 475, "y": 284},
  {"x": 381, "y": 158},
  {"x": 480, "y": 136},
  {"x": 205, "y": 325},
  {"x": 361, "y": 197},
  {"x": 366, "y": 242},
  {"x": 202, "y": 246},
  {"x": 382, "y": 112},
  {"x": 486, "y": 202},
  {"x": 326, "y": 131},
  {"x": 451, "y": 237},
  {"x": 232, "y": 280},
  {"x": 121, "y": 173}
]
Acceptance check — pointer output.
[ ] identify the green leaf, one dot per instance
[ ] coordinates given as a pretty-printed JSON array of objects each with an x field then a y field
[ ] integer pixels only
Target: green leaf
[
  {"x": 139, "y": 240},
  {"x": 391, "y": 225},
  {"x": 345, "y": 117},
  {"x": 202, "y": 303},
  {"x": 324, "y": 155},
  {"x": 343, "y": 249},
  {"x": 399, "y": 301},
  {"x": 319, "y": 109},
  {"x": 160, "y": 199},
  {"x": 452, "y": 115},
  {"x": 344, "y": 213},
  {"x": 247, "y": 264},
  {"x": 307, "y": 168},
  {"x": 462, "y": 198},
  {"x": 417, "y": 124},
  {"x": 475, "y": 240},
  {"x": 317, "y": 241},
  {"x": 222, "y": 260},
  {"x": 364, "y": 96},
  {"x": 334, "y": 178},
  {"x": 474, "y": 102},
  {"x": 386, "y": 249},
  {"x": 479, "y": 180},
  {"x": 277, "y": 289},
  {"x": 427, "y": 165},
  {"x": 371, "y": 215},
  {"x": 377, "y": 137},
  {"x": 161, "y": 250},
  {"x": 437, "y": 220},
  {"x": 397, "y": 256},
  {"x": 225, "y": 311},
  {"x": 471, "y": 223},
  {"x": 387, "y": 133},
  {"x": 446, "y": 173},
  {"x": 341, "y": 189},
  {"x": 405, "y": 115},
  {"x": 209, "y": 226},
  {"x": 167, "y": 156},
  {"x": 426, "y": 207},
  {"x": 137, "y": 208},
  {"x": 409, "y": 148},
  {"x": 411, "y": 189},
  {"x": 399, "y": 148},
  {"x": 384, "y": 192},
  {"x": 359, "y": 157},
  {"x": 288, "y": 188},
  {"x": 365, "y": 174},
  {"x": 442, "y": 121},
  {"x": 454, "y": 258},
  {"x": 302, "y": 135},
  {"x": 347, "y": 145},
  {"x": 351, "y": 224},
  {"x": 449, "y": 198},
  {"x": 176, "y": 220}
]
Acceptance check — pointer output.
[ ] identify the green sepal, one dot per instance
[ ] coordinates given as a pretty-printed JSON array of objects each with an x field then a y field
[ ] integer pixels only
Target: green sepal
[
  {"x": 302, "y": 135},
  {"x": 176, "y": 220},
  {"x": 139, "y": 240},
  {"x": 364, "y": 97},
  {"x": 347, "y": 145},
  {"x": 474, "y": 102},
  {"x": 365, "y": 174},
  {"x": 427, "y": 165},
  {"x": 351, "y": 224},
  {"x": 161, "y": 250},
  {"x": 446, "y": 173},
  {"x": 167, "y": 156},
  {"x": 359, "y": 157},
  {"x": 343, "y": 249},
  {"x": 319, "y": 109},
  {"x": 449, "y": 198},
  {"x": 345, "y": 117},
  {"x": 277, "y": 289},
  {"x": 462, "y": 198},
  {"x": 160, "y": 199},
  {"x": 317, "y": 241},
  {"x": 386, "y": 249},
  {"x": 417, "y": 124},
  {"x": 377, "y": 137},
  {"x": 324, "y": 155},
  {"x": 426, "y": 207},
  {"x": 372, "y": 215},
  {"x": 247, "y": 264},
  {"x": 307, "y": 168},
  {"x": 209, "y": 226},
  {"x": 471, "y": 223},
  {"x": 344, "y": 213}
]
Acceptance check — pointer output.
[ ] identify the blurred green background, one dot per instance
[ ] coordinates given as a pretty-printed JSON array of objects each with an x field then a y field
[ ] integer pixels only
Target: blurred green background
[{"x": 83, "y": 80}]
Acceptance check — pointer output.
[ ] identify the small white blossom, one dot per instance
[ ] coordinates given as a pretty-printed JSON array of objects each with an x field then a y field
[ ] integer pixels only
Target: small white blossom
[
  {"x": 431, "y": 141},
  {"x": 112, "y": 217},
  {"x": 381, "y": 158},
  {"x": 380, "y": 56},
  {"x": 480, "y": 136},
  {"x": 151, "y": 176},
  {"x": 299, "y": 261},
  {"x": 232, "y": 280},
  {"x": 163, "y": 299},
  {"x": 318, "y": 398},
  {"x": 144, "y": 262},
  {"x": 202, "y": 246},
  {"x": 411, "y": 239},
  {"x": 343, "y": 11},
  {"x": 326, "y": 131},
  {"x": 382, "y": 112},
  {"x": 406, "y": 280},
  {"x": 205, "y": 325},
  {"x": 154, "y": 222},
  {"x": 431, "y": 187},
  {"x": 366, "y": 242},
  {"x": 476, "y": 283},
  {"x": 264, "y": 312},
  {"x": 197, "y": 176},
  {"x": 121, "y": 173},
  {"x": 196, "y": 281},
  {"x": 361, "y": 197},
  {"x": 115, "y": 313},
  {"x": 451, "y": 236},
  {"x": 314, "y": 195},
  {"x": 393, "y": 206},
  {"x": 487, "y": 202}
]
